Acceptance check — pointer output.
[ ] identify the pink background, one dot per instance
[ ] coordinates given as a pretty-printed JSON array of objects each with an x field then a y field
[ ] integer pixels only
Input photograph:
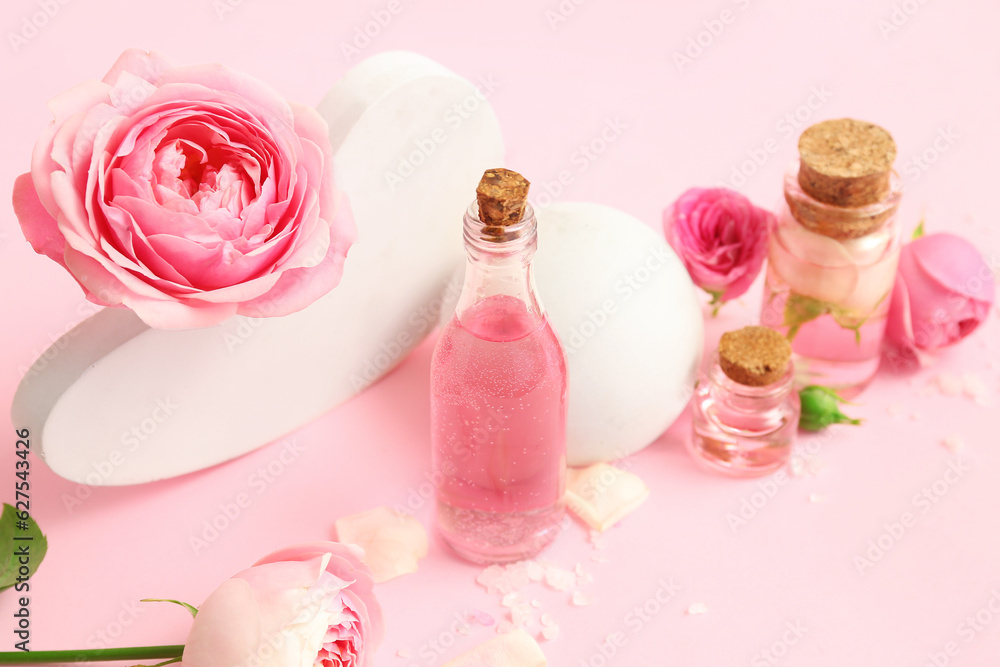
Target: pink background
[{"x": 794, "y": 561}]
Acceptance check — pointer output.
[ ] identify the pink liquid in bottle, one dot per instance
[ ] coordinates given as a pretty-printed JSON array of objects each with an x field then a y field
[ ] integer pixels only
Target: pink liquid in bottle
[{"x": 498, "y": 415}]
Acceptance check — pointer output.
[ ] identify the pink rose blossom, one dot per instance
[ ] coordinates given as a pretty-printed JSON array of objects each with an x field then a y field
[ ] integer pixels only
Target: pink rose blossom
[
  {"x": 188, "y": 194},
  {"x": 944, "y": 290},
  {"x": 721, "y": 238},
  {"x": 310, "y": 604}
]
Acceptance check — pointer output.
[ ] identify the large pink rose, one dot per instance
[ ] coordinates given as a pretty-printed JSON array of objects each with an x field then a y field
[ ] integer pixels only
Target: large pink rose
[
  {"x": 310, "y": 604},
  {"x": 944, "y": 290},
  {"x": 721, "y": 238},
  {"x": 188, "y": 194}
]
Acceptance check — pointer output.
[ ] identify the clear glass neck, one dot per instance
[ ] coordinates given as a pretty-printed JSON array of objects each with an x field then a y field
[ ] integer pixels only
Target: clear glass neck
[
  {"x": 741, "y": 397},
  {"x": 499, "y": 262}
]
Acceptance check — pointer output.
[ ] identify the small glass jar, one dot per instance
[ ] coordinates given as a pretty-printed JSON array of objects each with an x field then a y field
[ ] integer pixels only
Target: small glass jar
[
  {"x": 833, "y": 253},
  {"x": 740, "y": 429}
]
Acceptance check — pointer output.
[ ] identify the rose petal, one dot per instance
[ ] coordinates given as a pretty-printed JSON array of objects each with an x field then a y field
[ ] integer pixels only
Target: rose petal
[
  {"x": 515, "y": 648},
  {"x": 602, "y": 495},
  {"x": 393, "y": 542}
]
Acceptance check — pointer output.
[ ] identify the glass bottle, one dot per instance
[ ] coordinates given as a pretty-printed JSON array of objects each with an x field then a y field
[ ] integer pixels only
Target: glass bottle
[
  {"x": 498, "y": 402},
  {"x": 745, "y": 412},
  {"x": 833, "y": 254}
]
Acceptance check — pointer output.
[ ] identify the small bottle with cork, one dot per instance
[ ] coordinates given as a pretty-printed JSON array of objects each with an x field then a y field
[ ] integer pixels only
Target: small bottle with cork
[
  {"x": 745, "y": 412},
  {"x": 833, "y": 253},
  {"x": 498, "y": 391}
]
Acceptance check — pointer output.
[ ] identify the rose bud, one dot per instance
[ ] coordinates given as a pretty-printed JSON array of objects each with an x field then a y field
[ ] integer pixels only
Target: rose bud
[
  {"x": 944, "y": 290},
  {"x": 821, "y": 408}
]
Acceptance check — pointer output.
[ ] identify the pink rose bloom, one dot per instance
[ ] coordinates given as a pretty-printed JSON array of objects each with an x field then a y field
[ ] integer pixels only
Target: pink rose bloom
[
  {"x": 944, "y": 290},
  {"x": 310, "y": 604},
  {"x": 721, "y": 238},
  {"x": 188, "y": 194}
]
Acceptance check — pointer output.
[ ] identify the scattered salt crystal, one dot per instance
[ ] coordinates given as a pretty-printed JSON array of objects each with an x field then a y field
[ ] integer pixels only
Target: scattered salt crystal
[
  {"x": 697, "y": 609},
  {"x": 559, "y": 579},
  {"x": 518, "y": 573},
  {"x": 403, "y": 653},
  {"x": 579, "y": 599},
  {"x": 949, "y": 384},
  {"x": 491, "y": 578},
  {"x": 578, "y": 568},
  {"x": 598, "y": 558},
  {"x": 815, "y": 465},
  {"x": 817, "y": 498},
  {"x": 462, "y": 629},
  {"x": 520, "y": 615},
  {"x": 547, "y": 619},
  {"x": 953, "y": 443},
  {"x": 974, "y": 388},
  {"x": 536, "y": 603},
  {"x": 798, "y": 466},
  {"x": 535, "y": 570},
  {"x": 550, "y": 632},
  {"x": 509, "y": 600},
  {"x": 895, "y": 410}
]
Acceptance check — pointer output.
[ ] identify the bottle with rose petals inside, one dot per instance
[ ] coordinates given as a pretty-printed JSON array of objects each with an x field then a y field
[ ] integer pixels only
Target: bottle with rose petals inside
[
  {"x": 834, "y": 248},
  {"x": 745, "y": 411},
  {"x": 498, "y": 391}
]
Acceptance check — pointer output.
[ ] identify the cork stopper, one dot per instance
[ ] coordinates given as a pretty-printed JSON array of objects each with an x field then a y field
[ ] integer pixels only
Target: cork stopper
[
  {"x": 846, "y": 164},
  {"x": 502, "y": 195},
  {"x": 754, "y": 356}
]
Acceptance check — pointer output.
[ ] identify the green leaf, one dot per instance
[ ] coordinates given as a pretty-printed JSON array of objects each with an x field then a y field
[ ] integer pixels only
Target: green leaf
[
  {"x": 17, "y": 535},
  {"x": 190, "y": 607},
  {"x": 919, "y": 231},
  {"x": 800, "y": 309}
]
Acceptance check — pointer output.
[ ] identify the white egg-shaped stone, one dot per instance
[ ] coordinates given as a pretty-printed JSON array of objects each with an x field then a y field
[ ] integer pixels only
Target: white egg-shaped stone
[{"x": 629, "y": 319}]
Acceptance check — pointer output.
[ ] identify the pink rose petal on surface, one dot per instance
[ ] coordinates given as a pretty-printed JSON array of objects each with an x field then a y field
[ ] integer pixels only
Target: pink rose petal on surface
[
  {"x": 515, "y": 648},
  {"x": 393, "y": 542},
  {"x": 601, "y": 495}
]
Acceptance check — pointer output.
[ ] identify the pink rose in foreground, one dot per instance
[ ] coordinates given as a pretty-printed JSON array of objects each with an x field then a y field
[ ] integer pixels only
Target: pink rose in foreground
[
  {"x": 310, "y": 604},
  {"x": 721, "y": 238},
  {"x": 188, "y": 194},
  {"x": 944, "y": 290}
]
